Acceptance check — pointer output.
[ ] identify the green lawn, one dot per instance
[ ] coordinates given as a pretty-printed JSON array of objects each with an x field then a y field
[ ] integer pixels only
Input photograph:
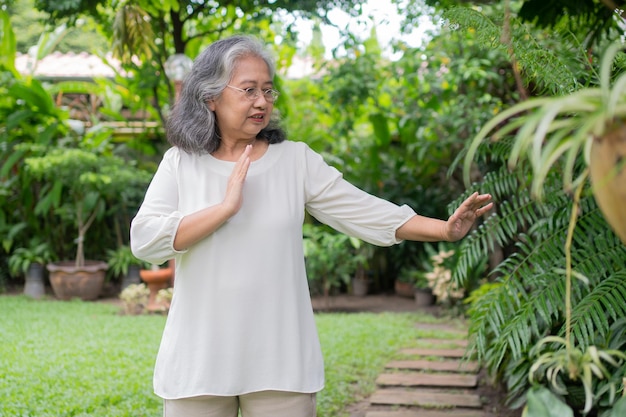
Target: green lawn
[{"x": 85, "y": 359}]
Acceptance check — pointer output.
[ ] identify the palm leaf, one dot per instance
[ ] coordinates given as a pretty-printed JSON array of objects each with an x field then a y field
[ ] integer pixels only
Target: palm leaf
[{"x": 132, "y": 34}]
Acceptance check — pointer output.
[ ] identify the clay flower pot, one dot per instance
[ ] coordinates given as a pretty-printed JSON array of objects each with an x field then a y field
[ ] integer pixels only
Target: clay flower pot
[
  {"x": 156, "y": 279},
  {"x": 70, "y": 281}
]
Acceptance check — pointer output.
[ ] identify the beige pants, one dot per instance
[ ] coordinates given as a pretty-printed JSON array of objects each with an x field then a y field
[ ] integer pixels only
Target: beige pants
[{"x": 257, "y": 404}]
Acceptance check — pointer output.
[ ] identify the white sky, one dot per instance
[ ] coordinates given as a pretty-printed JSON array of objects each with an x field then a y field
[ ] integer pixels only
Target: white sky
[{"x": 382, "y": 12}]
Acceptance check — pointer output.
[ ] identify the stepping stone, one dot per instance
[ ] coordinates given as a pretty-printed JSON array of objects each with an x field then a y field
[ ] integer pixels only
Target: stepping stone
[
  {"x": 427, "y": 413},
  {"x": 456, "y": 342},
  {"x": 444, "y": 353},
  {"x": 414, "y": 379},
  {"x": 425, "y": 398},
  {"x": 444, "y": 366}
]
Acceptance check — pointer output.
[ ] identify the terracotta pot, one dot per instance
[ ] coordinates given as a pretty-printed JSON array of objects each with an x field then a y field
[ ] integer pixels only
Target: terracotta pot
[
  {"x": 156, "y": 279},
  {"x": 404, "y": 289},
  {"x": 607, "y": 166},
  {"x": 69, "y": 281}
]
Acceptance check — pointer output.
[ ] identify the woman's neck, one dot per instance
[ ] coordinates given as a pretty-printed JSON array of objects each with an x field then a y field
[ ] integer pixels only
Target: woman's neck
[{"x": 232, "y": 150}]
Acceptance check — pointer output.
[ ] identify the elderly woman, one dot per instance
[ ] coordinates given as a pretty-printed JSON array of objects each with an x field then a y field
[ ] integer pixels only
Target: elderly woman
[{"x": 227, "y": 203}]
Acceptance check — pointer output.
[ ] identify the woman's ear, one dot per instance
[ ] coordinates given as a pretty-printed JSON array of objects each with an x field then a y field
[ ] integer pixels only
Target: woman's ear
[{"x": 211, "y": 104}]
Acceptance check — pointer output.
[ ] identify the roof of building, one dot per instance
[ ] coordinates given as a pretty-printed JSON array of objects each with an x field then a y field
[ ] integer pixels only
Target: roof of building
[{"x": 68, "y": 65}]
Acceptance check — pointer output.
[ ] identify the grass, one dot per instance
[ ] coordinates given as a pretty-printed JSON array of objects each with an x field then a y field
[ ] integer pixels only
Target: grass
[{"x": 85, "y": 359}]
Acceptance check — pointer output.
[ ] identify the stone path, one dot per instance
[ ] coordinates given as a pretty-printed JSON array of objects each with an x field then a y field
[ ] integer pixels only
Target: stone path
[{"x": 430, "y": 381}]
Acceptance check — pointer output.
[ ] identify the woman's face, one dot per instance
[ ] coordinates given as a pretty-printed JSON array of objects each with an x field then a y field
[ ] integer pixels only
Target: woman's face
[{"x": 238, "y": 117}]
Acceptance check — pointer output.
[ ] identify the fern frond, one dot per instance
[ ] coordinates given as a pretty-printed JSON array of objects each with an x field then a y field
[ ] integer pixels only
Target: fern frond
[
  {"x": 554, "y": 69},
  {"x": 490, "y": 312},
  {"x": 590, "y": 313},
  {"x": 596, "y": 248},
  {"x": 527, "y": 303},
  {"x": 538, "y": 310},
  {"x": 487, "y": 30},
  {"x": 545, "y": 67},
  {"x": 516, "y": 212}
]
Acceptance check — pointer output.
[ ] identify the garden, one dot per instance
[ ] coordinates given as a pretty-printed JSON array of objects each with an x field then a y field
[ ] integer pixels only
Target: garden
[
  {"x": 515, "y": 99},
  {"x": 81, "y": 358}
]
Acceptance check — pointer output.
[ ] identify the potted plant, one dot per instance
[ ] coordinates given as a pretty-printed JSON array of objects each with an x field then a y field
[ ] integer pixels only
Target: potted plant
[
  {"x": 157, "y": 279},
  {"x": 416, "y": 285},
  {"x": 76, "y": 184},
  {"x": 404, "y": 282},
  {"x": 30, "y": 261},
  {"x": 122, "y": 263},
  {"x": 330, "y": 259}
]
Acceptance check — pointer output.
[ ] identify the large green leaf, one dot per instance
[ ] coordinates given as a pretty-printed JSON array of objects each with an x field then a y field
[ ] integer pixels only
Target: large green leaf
[
  {"x": 49, "y": 40},
  {"x": 619, "y": 408},
  {"x": 541, "y": 402},
  {"x": 34, "y": 95},
  {"x": 7, "y": 42}
]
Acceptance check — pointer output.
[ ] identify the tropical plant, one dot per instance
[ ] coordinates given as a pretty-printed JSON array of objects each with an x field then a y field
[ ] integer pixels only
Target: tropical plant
[
  {"x": 331, "y": 258},
  {"x": 122, "y": 258},
  {"x": 568, "y": 364},
  {"x": 555, "y": 237},
  {"x": 22, "y": 258},
  {"x": 29, "y": 122},
  {"x": 590, "y": 119},
  {"x": 414, "y": 276}
]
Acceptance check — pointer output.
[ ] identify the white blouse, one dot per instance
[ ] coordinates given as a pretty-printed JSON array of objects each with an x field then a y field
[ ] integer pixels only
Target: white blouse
[{"x": 241, "y": 319}]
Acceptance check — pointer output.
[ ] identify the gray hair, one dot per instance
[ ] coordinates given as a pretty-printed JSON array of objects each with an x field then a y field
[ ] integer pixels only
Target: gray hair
[{"x": 191, "y": 125}]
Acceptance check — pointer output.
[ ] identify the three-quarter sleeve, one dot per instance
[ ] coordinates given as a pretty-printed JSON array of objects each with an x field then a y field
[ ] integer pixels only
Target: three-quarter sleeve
[
  {"x": 153, "y": 229},
  {"x": 334, "y": 201}
]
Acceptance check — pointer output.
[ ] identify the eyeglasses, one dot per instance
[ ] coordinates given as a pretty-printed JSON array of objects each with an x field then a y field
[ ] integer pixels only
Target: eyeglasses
[{"x": 252, "y": 94}]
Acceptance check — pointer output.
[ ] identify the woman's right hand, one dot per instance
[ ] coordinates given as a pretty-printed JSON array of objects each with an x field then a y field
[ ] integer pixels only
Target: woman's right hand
[
  {"x": 234, "y": 190},
  {"x": 197, "y": 226}
]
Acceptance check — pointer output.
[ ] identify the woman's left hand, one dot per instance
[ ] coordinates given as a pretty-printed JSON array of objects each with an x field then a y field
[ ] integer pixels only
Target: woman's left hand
[{"x": 461, "y": 221}]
